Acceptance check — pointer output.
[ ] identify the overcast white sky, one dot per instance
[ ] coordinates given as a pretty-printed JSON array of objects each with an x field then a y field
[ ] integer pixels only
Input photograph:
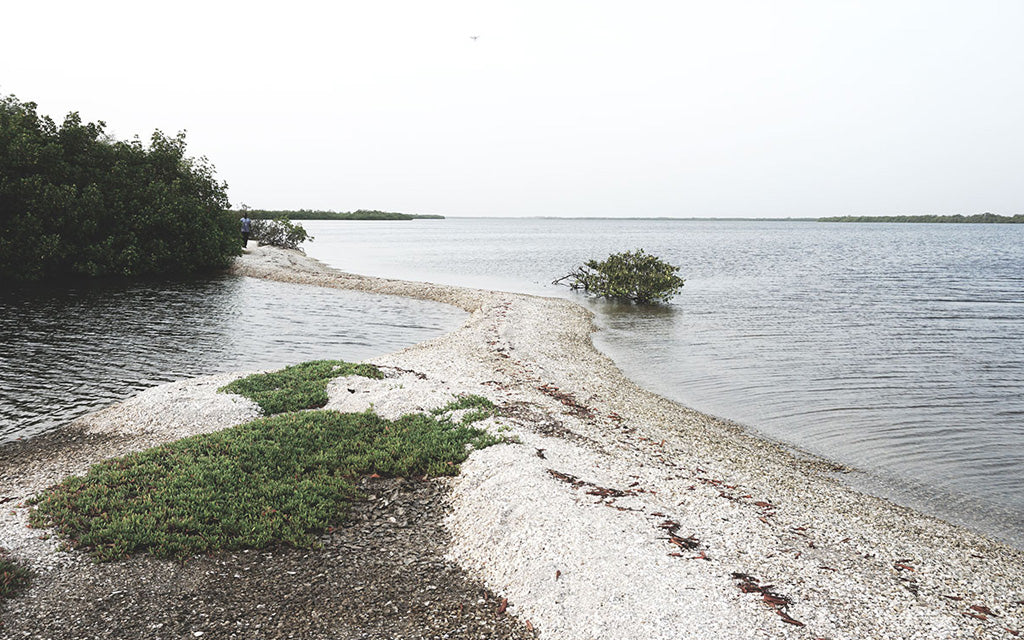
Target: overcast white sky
[{"x": 716, "y": 108}]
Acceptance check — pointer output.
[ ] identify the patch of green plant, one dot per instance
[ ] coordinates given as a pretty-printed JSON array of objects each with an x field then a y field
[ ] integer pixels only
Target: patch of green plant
[
  {"x": 281, "y": 479},
  {"x": 279, "y": 232},
  {"x": 480, "y": 408},
  {"x": 13, "y": 579},
  {"x": 300, "y": 386},
  {"x": 633, "y": 276}
]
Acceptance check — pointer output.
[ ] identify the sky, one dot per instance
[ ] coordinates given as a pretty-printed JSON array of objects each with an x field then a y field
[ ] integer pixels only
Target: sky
[{"x": 724, "y": 108}]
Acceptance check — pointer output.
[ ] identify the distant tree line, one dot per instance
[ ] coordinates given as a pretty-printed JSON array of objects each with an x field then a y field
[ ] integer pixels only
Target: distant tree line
[
  {"x": 76, "y": 202},
  {"x": 360, "y": 214},
  {"x": 985, "y": 218}
]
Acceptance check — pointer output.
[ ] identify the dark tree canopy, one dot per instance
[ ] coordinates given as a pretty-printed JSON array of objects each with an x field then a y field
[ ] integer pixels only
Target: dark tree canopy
[{"x": 75, "y": 202}]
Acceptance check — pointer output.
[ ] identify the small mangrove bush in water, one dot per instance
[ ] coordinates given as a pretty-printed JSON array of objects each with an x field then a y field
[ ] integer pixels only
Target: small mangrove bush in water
[
  {"x": 300, "y": 386},
  {"x": 280, "y": 479},
  {"x": 633, "y": 276}
]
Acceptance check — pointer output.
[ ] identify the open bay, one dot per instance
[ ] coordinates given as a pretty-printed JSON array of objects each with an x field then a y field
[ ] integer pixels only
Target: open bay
[{"x": 896, "y": 349}]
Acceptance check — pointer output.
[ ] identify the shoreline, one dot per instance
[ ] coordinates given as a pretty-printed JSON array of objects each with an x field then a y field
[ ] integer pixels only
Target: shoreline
[{"x": 622, "y": 514}]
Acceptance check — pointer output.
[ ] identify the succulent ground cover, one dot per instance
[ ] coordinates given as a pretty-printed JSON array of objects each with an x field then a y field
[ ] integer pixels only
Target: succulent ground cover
[
  {"x": 301, "y": 386},
  {"x": 13, "y": 578},
  {"x": 383, "y": 573},
  {"x": 281, "y": 479}
]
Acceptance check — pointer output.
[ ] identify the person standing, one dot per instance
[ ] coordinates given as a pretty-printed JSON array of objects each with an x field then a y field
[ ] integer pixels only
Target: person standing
[{"x": 246, "y": 228}]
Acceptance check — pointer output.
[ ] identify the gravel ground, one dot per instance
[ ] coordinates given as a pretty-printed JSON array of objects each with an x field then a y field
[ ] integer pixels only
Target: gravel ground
[
  {"x": 382, "y": 574},
  {"x": 615, "y": 514}
]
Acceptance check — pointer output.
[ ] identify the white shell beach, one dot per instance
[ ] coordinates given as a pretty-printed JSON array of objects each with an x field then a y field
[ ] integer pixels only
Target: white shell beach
[{"x": 614, "y": 513}]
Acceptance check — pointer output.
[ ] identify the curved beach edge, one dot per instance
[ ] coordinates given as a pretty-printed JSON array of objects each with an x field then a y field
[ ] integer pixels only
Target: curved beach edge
[{"x": 614, "y": 512}]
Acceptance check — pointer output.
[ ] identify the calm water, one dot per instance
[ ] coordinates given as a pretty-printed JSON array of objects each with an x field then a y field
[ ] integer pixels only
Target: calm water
[
  {"x": 895, "y": 348},
  {"x": 67, "y": 351}
]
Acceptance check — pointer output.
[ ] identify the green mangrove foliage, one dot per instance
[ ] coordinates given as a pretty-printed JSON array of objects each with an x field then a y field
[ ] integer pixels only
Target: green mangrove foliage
[
  {"x": 280, "y": 232},
  {"x": 360, "y": 214},
  {"x": 978, "y": 218},
  {"x": 300, "y": 386},
  {"x": 634, "y": 276},
  {"x": 280, "y": 479},
  {"x": 76, "y": 202}
]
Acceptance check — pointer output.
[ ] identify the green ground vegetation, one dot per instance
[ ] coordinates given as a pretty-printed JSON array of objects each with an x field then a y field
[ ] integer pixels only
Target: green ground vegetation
[
  {"x": 275, "y": 480},
  {"x": 300, "y": 386},
  {"x": 360, "y": 214},
  {"x": 476, "y": 408},
  {"x": 76, "y": 202},
  {"x": 980, "y": 218},
  {"x": 13, "y": 579},
  {"x": 632, "y": 276},
  {"x": 281, "y": 479}
]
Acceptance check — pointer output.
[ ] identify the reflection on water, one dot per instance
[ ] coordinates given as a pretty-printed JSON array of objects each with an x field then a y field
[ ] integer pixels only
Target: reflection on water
[
  {"x": 952, "y": 448},
  {"x": 70, "y": 350},
  {"x": 894, "y": 348}
]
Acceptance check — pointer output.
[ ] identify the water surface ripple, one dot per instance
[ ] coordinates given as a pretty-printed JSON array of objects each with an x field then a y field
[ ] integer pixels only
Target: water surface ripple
[
  {"x": 895, "y": 348},
  {"x": 65, "y": 351}
]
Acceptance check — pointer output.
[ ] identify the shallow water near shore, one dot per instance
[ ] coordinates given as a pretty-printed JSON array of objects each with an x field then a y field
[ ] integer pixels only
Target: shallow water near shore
[
  {"x": 74, "y": 349},
  {"x": 893, "y": 348}
]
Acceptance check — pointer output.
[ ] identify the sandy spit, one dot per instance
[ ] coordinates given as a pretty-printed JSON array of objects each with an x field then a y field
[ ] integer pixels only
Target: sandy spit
[{"x": 617, "y": 513}]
